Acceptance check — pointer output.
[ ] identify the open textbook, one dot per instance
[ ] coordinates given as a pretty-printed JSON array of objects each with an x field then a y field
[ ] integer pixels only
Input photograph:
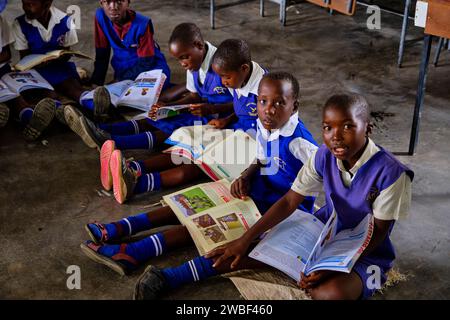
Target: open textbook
[
  {"x": 13, "y": 83},
  {"x": 32, "y": 60},
  {"x": 170, "y": 111},
  {"x": 211, "y": 214},
  {"x": 139, "y": 94},
  {"x": 302, "y": 243},
  {"x": 221, "y": 154}
]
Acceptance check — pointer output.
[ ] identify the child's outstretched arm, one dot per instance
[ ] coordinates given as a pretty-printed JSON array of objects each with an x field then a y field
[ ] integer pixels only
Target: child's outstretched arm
[
  {"x": 282, "y": 209},
  {"x": 204, "y": 109},
  {"x": 380, "y": 232},
  {"x": 223, "y": 122},
  {"x": 240, "y": 188}
]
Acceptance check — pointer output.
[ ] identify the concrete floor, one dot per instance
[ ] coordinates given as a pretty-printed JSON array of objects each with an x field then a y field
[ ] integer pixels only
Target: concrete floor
[{"x": 48, "y": 192}]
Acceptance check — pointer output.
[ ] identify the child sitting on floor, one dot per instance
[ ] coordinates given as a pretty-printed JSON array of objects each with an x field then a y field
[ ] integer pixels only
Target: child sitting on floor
[
  {"x": 130, "y": 35},
  {"x": 241, "y": 75},
  {"x": 34, "y": 117},
  {"x": 357, "y": 176},
  {"x": 44, "y": 28},
  {"x": 207, "y": 96},
  {"x": 279, "y": 130}
]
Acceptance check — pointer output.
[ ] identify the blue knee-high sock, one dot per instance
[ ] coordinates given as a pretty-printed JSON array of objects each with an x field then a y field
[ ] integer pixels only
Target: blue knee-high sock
[
  {"x": 141, "y": 250},
  {"x": 25, "y": 116},
  {"x": 138, "y": 166},
  {"x": 121, "y": 128},
  {"x": 148, "y": 182},
  {"x": 136, "y": 141},
  {"x": 194, "y": 270},
  {"x": 125, "y": 227},
  {"x": 87, "y": 103}
]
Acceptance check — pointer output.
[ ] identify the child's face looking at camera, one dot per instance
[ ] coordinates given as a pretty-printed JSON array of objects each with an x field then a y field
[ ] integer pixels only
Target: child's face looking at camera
[
  {"x": 232, "y": 79},
  {"x": 276, "y": 103},
  {"x": 344, "y": 133},
  {"x": 116, "y": 10}
]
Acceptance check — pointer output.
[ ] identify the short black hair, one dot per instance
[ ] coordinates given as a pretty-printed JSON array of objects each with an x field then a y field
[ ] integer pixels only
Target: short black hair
[
  {"x": 232, "y": 54},
  {"x": 288, "y": 77},
  {"x": 350, "y": 100},
  {"x": 186, "y": 33}
]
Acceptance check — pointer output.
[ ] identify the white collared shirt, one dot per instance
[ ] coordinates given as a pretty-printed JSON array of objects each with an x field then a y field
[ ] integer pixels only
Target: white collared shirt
[
  {"x": 190, "y": 84},
  {"x": 391, "y": 204},
  {"x": 5, "y": 36},
  {"x": 252, "y": 84},
  {"x": 300, "y": 148},
  {"x": 21, "y": 43}
]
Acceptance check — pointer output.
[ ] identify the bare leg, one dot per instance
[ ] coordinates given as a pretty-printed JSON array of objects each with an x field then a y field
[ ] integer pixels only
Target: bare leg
[
  {"x": 71, "y": 88},
  {"x": 340, "y": 286},
  {"x": 177, "y": 237},
  {"x": 180, "y": 175},
  {"x": 162, "y": 217},
  {"x": 159, "y": 162}
]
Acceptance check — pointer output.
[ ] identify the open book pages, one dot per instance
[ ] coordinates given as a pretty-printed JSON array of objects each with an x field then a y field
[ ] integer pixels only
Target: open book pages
[
  {"x": 193, "y": 140},
  {"x": 13, "y": 83},
  {"x": 302, "y": 243},
  {"x": 170, "y": 111},
  {"x": 30, "y": 61},
  {"x": 5, "y": 93},
  {"x": 221, "y": 154},
  {"x": 211, "y": 215},
  {"x": 139, "y": 94}
]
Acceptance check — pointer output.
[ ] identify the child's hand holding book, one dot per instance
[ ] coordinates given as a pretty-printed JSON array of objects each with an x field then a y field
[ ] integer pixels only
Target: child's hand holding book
[
  {"x": 201, "y": 109},
  {"x": 314, "y": 279},
  {"x": 219, "y": 123},
  {"x": 154, "y": 109},
  {"x": 240, "y": 188},
  {"x": 236, "y": 248}
]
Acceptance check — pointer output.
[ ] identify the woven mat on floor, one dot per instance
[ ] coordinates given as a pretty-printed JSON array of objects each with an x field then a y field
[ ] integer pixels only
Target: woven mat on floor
[{"x": 269, "y": 284}]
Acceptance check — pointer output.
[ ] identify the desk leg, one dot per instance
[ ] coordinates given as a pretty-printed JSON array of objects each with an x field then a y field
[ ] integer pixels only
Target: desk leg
[
  {"x": 283, "y": 12},
  {"x": 212, "y": 8},
  {"x": 438, "y": 51},
  {"x": 420, "y": 92},
  {"x": 403, "y": 34}
]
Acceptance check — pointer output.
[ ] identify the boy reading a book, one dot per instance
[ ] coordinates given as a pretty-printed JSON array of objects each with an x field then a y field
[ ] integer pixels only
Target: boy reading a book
[
  {"x": 239, "y": 73},
  {"x": 361, "y": 177},
  {"x": 44, "y": 28},
  {"x": 278, "y": 122},
  {"x": 207, "y": 98},
  {"x": 35, "y": 118}
]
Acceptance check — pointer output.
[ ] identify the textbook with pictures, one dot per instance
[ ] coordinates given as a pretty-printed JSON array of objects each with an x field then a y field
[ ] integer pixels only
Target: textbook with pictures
[
  {"x": 139, "y": 94},
  {"x": 221, "y": 154},
  {"x": 32, "y": 60},
  {"x": 302, "y": 243},
  {"x": 211, "y": 214},
  {"x": 13, "y": 83}
]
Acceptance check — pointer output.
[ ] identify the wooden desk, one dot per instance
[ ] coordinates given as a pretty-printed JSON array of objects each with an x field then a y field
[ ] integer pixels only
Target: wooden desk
[{"x": 437, "y": 24}]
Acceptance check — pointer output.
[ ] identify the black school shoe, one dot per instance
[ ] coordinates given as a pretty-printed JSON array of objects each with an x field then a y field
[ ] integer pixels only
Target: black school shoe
[
  {"x": 150, "y": 284},
  {"x": 43, "y": 114},
  {"x": 102, "y": 102}
]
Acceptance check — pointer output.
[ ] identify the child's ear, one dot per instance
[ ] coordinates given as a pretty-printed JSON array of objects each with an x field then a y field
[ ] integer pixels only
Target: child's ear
[
  {"x": 245, "y": 67},
  {"x": 369, "y": 129},
  {"x": 296, "y": 105},
  {"x": 199, "y": 45}
]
